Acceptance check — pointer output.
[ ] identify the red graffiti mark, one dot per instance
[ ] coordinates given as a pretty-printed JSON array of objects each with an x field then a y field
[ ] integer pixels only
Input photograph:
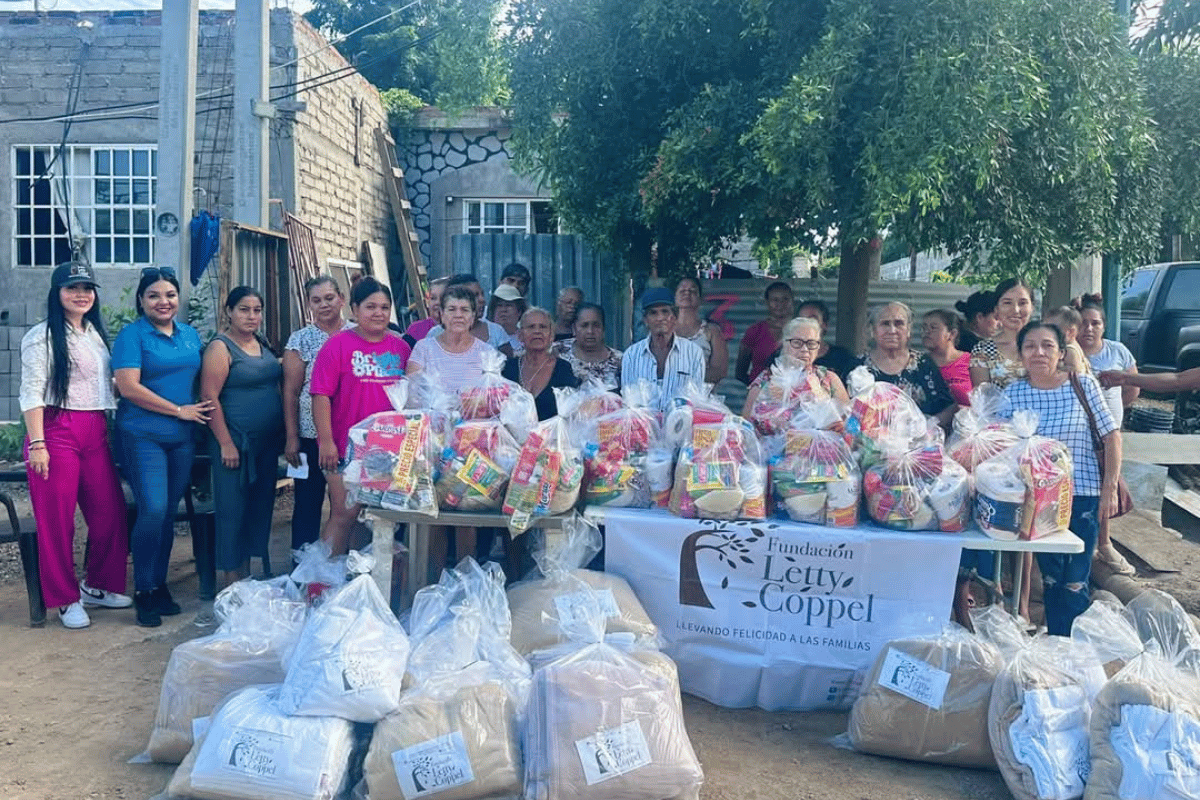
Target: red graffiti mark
[{"x": 717, "y": 316}]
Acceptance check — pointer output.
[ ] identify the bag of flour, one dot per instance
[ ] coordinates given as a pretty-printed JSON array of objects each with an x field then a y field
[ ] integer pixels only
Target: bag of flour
[
  {"x": 253, "y": 751},
  {"x": 1039, "y": 715},
  {"x": 259, "y": 621},
  {"x": 350, "y": 659},
  {"x": 926, "y": 699}
]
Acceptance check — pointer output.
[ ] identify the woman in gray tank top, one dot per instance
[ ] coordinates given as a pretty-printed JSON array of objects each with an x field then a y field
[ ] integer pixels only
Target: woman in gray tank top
[{"x": 241, "y": 376}]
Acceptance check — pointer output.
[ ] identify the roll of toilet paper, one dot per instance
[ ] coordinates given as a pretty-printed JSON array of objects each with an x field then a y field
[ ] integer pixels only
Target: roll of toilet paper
[
  {"x": 950, "y": 497},
  {"x": 999, "y": 499},
  {"x": 659, "y": 470},
  {"x": 677, "y": 427}
]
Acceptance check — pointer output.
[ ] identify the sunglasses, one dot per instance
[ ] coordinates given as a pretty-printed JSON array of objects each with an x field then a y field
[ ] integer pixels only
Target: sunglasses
[{"x": 163, "y": 272}]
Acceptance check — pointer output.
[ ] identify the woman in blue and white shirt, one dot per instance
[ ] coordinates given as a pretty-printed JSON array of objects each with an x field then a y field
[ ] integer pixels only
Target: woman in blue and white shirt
[{"x": 1048, "y": 391}]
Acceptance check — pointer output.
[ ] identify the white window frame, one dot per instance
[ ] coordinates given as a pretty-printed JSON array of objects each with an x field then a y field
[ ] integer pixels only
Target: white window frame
[
  {"x": 505, "y": 226},
  {"x": 110, "y": 192}
]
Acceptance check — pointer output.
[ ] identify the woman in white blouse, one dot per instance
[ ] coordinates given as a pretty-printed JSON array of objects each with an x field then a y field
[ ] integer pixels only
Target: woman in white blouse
[{"x": 66, "y": 388}]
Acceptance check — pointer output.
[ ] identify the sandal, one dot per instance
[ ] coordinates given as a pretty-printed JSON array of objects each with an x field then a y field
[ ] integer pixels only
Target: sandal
[{"x": 1110, "y": 557}]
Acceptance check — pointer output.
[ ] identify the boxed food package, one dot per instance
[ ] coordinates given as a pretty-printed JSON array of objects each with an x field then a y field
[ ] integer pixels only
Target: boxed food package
[
  {"x": 617, "y": 451},
  {"x": 917, "y": 489},
  {"x": 391, "y": 460},
  {"x": 1026, "y": 491},
  {"x": 817, "y": 479},
  {"x": 475, "y": 466},
  {"x": 926, "y": 699},
  {"x": 548, "y": 474}
]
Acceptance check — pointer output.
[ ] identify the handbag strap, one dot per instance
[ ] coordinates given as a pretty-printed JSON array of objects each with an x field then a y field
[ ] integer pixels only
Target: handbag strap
[{"x": 1097, "y": 440}]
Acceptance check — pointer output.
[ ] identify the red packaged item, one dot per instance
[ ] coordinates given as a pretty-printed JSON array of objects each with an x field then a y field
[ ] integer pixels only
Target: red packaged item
[
  {"x": 391, "y": 458},
  {"x": 475, "y": 465},
  {"x": 548, "y": 475},
  {"x": 496, "y": 397}
]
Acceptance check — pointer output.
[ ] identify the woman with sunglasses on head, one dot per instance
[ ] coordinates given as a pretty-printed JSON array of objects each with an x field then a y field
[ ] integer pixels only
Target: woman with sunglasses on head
[
  {"x": 325, "y": 302},
  {"x": 66, "y": 389},
  {"x": 241, "y": 379},
  {"x": 156, "y": 359}
]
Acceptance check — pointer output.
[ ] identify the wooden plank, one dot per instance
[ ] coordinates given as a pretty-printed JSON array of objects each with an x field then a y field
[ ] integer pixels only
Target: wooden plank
[
  {"x": 1140, "y": 535},
  {"x": 376, "y": 258},
  {"x": 409, "y": 241},
  {"x": 1186, "y": 499},
  {"x": 1160, "y": 448}
]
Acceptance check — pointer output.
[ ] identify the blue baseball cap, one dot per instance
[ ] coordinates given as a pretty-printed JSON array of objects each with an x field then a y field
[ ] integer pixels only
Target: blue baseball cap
[{"x": 657, "y": 296}]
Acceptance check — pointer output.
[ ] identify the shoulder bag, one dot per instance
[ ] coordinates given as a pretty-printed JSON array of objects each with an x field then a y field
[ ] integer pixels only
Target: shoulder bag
[{"x": 1124, "y": 499}]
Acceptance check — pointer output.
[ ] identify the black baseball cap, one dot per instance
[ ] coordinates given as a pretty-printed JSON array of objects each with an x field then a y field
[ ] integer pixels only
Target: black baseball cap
[{"x": 73, "y": 273}]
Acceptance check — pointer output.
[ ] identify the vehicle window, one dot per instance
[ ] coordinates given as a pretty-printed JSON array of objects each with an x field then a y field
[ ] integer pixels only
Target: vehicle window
[
  {"x": 1136, "y": 292},
  {"x": 1184, "y": 294}
]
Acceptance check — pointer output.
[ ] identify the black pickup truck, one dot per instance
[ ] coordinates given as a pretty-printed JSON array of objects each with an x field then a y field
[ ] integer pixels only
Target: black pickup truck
[{"x": 1160, "y": 316}]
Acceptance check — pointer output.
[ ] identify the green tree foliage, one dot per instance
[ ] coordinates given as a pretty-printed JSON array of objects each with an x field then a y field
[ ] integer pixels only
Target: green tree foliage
[
  {"x": 446, "y": 53},
  {"x": 1166, "y": 24}
]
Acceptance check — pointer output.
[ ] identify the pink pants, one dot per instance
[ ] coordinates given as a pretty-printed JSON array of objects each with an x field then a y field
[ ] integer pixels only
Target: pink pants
[{"x": 81, "y": 473}]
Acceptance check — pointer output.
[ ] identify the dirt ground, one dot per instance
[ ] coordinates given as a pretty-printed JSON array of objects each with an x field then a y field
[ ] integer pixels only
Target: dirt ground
[{"x": 77, "y": 705}]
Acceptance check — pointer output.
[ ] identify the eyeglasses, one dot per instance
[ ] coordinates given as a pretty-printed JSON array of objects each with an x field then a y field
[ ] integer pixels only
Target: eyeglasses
[
  {"x": 164, "y": 272},
  {"x": 805, "y": 344}
]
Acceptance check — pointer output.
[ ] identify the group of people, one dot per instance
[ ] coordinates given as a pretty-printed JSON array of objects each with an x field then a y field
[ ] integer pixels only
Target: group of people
[{"x": 246, "y": 407}]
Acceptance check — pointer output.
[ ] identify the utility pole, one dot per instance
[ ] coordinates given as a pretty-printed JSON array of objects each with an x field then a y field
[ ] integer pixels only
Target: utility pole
[
  {"x": 252, "y": 112},
  {"x": 176, "y": 139},
  {"x": 1110, "y": 265}
]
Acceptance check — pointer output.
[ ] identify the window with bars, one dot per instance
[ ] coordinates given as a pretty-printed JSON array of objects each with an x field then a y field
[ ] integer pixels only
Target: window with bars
[
  {"x": 510, "y": 216},
  {"x": 101, "y": 198}
]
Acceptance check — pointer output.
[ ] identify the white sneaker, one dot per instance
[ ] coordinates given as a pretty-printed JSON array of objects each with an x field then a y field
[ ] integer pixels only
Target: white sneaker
[
  {"x": 98, "y": 597},
  {"x": 74, "y": 616}
]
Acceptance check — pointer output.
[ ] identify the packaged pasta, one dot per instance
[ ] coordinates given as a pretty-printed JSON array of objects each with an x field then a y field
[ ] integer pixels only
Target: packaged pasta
[
  {"x": 817, "y": 479},
  {"x": 475, "y": 466},
  {"x": 391, "y": 459},
  {"x": 1025, "y": 492}
]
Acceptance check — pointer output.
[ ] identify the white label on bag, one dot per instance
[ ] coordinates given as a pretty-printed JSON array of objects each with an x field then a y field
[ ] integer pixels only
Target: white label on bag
[
  {"x": 200, "y": 727},
  {"x": 913, "y": 678},
  {"x": 576, "y": 607},
  {"x": 613, "y": 752},
  {"x": 256, "y": 753},
  {"x": 433, "y": 766}
]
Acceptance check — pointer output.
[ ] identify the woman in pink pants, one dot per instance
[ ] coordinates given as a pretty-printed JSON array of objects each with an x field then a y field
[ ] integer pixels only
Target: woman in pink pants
[{"x": 66, "y": 388}]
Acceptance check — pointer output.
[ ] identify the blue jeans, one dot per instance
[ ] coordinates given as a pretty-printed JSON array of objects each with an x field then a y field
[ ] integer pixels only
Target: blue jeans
[
  {"x": 159, "y": 474},
  {"x": 1065, "y": 592}
]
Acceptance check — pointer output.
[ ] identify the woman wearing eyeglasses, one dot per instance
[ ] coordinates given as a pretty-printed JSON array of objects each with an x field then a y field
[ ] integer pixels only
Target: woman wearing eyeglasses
[
  {"x": 891, "y": 360},
  {"x": 155, "y": 361},
  {"x": 801, "y": 342}
]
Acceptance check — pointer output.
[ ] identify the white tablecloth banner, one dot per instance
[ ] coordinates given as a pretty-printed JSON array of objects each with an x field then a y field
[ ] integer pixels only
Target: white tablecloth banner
[{"x": 779, "y": 615}]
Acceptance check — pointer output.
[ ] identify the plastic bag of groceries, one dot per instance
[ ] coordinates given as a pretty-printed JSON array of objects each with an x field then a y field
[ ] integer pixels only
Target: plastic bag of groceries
[
  {"x": 618, "y": 448},
  {"x": 476, "y": 463},
  {"x": 455, "y": 733},
  {"x": 879, "y": 410},
  {"x": 1145, "y": 733},
  {"x": 317, "y": 570},
  {"x": 350, "y": 659},
  {"x": 545, "y": 606},
  {"x": 817, "y": 479},
  {"x": 260, "y": 620},
  {"x": 981, "y": 430},
  {"x": 694, "y": 405},
  {"x": 1025, "y": 492},
  {"x": 594, "y": 398},
  {"x": 926, "y": 699},
  {"x": 917, "y": 489},
  {"x": 495, "y": 397},
  {"x": 428, "y": 393},
  {"x": 607, "y": 724},
  {"x": 1039, "y": 718},
  {"x": 1108, "y": 629},
  {"x": 253, "y": 751},
  {"x": 786, "y": 387},
  {"x": 549, "y": 473},
  {"x": 391, "y": 460},
  {"x": 721, "y": 474}
]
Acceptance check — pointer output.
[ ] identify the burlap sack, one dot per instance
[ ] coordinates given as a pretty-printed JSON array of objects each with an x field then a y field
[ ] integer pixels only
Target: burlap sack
[
  {"x": 200, "y": 674},
  {"x": 1146, "y": 681},
  {"x": 538, "y": 607},
  {"x": 888, "y": 723},
  {"x": 604, "y": 726},
  {"x": 484, "y": 719},
  {"x": 1048, "y": 663}
]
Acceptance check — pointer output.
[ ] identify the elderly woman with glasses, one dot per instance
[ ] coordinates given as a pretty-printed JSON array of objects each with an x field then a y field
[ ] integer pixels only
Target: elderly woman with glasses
[
  {"x": 801, "y": 342},
  {"x": 891, "y": 360},
  {"x": 155, "y": 360}
]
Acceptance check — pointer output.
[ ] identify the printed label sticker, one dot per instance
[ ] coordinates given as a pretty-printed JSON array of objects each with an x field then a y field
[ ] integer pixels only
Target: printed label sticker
[
  {"x": 256, "y": 753},
  {"x": 913, "y": 678},
  {"x": 433, "y": 766},
  {"x": 577, "y": 606},
  {"x": 613, "y": 752}
]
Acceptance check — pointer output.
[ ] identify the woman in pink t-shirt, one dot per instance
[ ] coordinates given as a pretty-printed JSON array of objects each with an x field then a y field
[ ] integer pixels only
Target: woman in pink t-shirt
[
  {"x": 939, "y": 333},
  {"x": 349, "y": 383}
]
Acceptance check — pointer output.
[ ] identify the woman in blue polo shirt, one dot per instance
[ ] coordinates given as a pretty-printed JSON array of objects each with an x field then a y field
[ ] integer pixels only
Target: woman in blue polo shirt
[{"x": 155, "y": 362}]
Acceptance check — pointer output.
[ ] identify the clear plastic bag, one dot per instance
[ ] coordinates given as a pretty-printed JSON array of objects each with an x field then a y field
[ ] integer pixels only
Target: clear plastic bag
[
  {"x": 926, "y": 698},
  {"x": 917, "y": 489},
  {"x": 548, "y": 476},
  {"x": 617, "y": 450},
  {"x": 1108, "y": 628},
  {"x": 317, "y": 570},
  {"x": 879, "y": 410},
  {"x": 817, "y": 479},
  {"x": 475, "y": 466},
  {"x": 545, "y": 609},
  {"x": 1162, "y": 623},
  {"x": 260, "y": 620},
  {"x": 594, "y": 399},
  {"x": 981, "y": 430},
  {"x": 787, "y": 387},
  {"x": 392, "y": 456},
  {"x": 694, "y": 405},
  {"x": 350, "y": 659},
  {"x": 1000, "y": 629},
  {"x": 721, "y": 474},
  {"x": 253, "y": 751},
  {"x": 496, "y": 397},
  {"x": 1145, "y": 734},
  {"x": 1039, "y": 717},
  {"x": 1026, "y": 491}
]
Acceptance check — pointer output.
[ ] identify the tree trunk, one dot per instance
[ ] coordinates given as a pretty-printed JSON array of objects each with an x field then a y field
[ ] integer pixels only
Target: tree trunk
[
  {"x": 691, "y": 587},
  {"x": 860, "y": 265}
]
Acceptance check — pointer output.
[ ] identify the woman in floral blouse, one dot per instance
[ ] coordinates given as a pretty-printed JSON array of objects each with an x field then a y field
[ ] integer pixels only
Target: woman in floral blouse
[
  {"x": 891, "y": 360},
  {"x": 997, "y": 360},
  {"x": 586, "y": 351}
]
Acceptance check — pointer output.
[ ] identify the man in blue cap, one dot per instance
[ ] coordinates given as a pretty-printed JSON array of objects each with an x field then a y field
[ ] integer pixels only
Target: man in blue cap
[{"x": 662, "y": 357}]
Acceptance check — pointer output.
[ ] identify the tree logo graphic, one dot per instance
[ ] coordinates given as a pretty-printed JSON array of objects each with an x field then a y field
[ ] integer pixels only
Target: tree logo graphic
[{"x": 731, "y": 546}]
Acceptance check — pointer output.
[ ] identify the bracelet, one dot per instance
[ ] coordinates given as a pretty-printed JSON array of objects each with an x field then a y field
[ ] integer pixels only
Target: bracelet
[
  {"x": 32, "y": 442},
  {"x": 33, "y": 447}
]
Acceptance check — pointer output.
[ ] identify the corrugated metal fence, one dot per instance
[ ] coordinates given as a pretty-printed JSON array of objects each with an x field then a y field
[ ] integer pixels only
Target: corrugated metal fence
[{"x": 554, "y": 262}]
